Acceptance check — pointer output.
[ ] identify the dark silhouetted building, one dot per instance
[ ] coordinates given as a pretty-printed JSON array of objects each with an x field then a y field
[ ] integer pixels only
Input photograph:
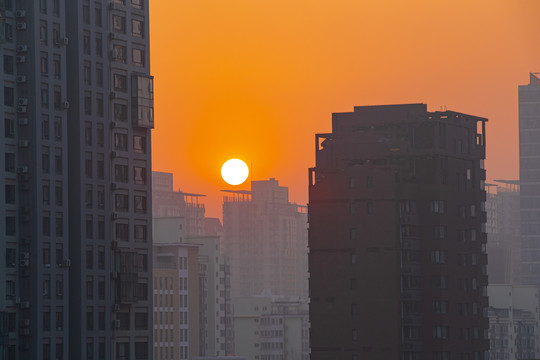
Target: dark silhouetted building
[
  {"x": 529, "y": 177},
  {"x": 75, "y": 221},
  {"x": 397, "y": 236}
]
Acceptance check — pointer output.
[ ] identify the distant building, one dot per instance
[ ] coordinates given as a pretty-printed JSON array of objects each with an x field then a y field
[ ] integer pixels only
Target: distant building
[
  {"x": 397, "y": 236},
  {"x": 176, "y": 301},
  {"x": 265, "y": 241},
  {"x": 214, "y": 301},
  {"x": 529, "y": 177},
  {"x": 76, "y": 110},
  {"x": 271, "y": 328},
  {"x": 169, "y": 203},
  {"x": 504, "y": 242},
  {"x": 514, "y": 317}
]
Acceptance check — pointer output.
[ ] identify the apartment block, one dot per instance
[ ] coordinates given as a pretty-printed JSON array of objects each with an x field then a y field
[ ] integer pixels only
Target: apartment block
[
  {"x": 397, "y": 236},
  {"x": 77, "y": 112}
]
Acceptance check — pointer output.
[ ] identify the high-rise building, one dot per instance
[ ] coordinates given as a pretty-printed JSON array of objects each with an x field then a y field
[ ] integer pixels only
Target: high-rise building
[
  {"x": 77, "y": 110},
  {"x": 265, "y": 241},
  {"x": 503, "y": 246},
  {"x": 529, "y": 178},
  {"x": 397, "y": 237}
]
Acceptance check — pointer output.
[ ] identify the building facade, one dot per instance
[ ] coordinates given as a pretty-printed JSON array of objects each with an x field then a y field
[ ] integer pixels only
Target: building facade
[
  {"x": 271, "y": 328},
  {"x": 265, "y": 241},
  {"x": 77, "y": 111},
  {"x": 529, "y": 177},
  {"x": 176, "y": 301},
  {"x": 397, "y": 236},
  {"x": 513, "y": 322}
]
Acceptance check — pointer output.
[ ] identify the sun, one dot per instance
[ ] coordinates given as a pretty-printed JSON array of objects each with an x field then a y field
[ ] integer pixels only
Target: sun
[{"x": 234, "y": 171}]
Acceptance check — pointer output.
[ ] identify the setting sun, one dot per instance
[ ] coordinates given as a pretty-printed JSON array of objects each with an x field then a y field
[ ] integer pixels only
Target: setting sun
[{"x": 234, "y": 171}]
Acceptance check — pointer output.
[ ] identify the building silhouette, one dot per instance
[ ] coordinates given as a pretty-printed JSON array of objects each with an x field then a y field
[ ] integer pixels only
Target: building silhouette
[
  {"x": 529, "y": 177},
  {"x": 397, "y": 237},
  {"x": 75, "y": 214},
  {"x": 265, "y": 241}
]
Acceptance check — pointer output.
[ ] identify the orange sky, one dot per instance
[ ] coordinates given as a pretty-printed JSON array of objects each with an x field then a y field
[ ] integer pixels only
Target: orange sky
[{"x": 256, "y": 79}]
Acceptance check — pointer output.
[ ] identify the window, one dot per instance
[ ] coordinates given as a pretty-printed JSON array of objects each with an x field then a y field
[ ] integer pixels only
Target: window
[
  {"x": 119, "y": 53},
  {"x": 58, "y": 129},
  {"x": 437, "y": 207},
  {"x": 89, "y": 289},
  {"x": 99, "y": 107},
  {"x": 370, "y": 207},
  {"x": 120, "y": 112},
  {"x": 139, "y": 175},
  {"x": 58, "y": 161},
  {"x": 9, "y": 96},
  {"x": 10, "y": 289},
  {"x": 44, "y": 64},
  {"x": 57, "y": 99},
  {"x": 119, "y": 23},
  {"x": 56, "y": 34},
  {"x": 439, "y": 232},
  {"x": 121, "y": 173},
  {"x": 120, "y": 83},
  {"x": 99, "y": 45},
  {"x": 99, "y": 75},
  {"x": 9, "y": 128},
  {"x": 369, "y": 181},
  {"x": 45, "y": 128},
  {"x": 440, "y": 306},
  {"x": 87, "y": 73},
  {"x": 9, "y": 193},
  {"x": 89, "y": 196},
  {"x": 8, "y": 64},
  {"x": 56, "y": 7},
  {"x": 89, "y": 227},
  {"x": 101, "y": 259},
  {"x": 440, "y": 332},
  {"x": 11, "y": 258},
  {"x": 121, "y": 202},
  {"x": 139, "y": 144},
  {"x": 100, "y": 197},
  {"x": 137, "y": 28},
  {"x": 57, "y": 71},
  {"x": 138, "y": 57},
  {"x": 86, "y": 13},
  {"x": 9, "y": 162},
  {"x": 101, "y": 228},
  {"x": 46, "y": 321},
  {"x": 88, "y": 165},
  {"x": 59, "y": 224},
  {"x": 43, "y": 32},
  {"x": 45, "y": 96},
  {"x": 100, "y": 167},
  {"x": 10, "y": 225},
  {"x": 140, "y": 204},
  {"x": 88, "y": 103},
  {"x": 137, "y": 4},
  {"x": 438, "y": 257},
  {"x": 141, "y": 350},
  {"x": 43, "y": 6},
  {"x": 440, "y": 282},
  {"x": 86, "y": 43},
  {"x": 120, "y": 141},
  {"x": 59, "y": 320},
  {"x": 46, "y": 224},
  {"x": 140, "y": 233},
  {"x": 141, "y": 321}
]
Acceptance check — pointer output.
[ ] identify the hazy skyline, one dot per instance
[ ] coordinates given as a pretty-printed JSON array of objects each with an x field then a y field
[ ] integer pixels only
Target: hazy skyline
[{"x": 256, "y": 80}]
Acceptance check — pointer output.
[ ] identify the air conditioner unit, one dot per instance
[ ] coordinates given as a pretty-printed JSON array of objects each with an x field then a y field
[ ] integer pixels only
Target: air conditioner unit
[
  {"x": 116, "y": 324},
  {"x": 25, "y": 305},
  {"x": 21, "y": 109},
  {"x": 23, "y": 121},
  {"x": 22, "y": 48},
  {"x": 21, "y": 26},
  {"x": 25, "y": 255},
  {"x": 24, "y": 323},
  {"x": 66, "y": 105},
  {"x": 115, "y": 307},
  {"x": 22, "y": 101},
  {"x": 114, "y": 245},
  {"x": 114, "y": 275},
  {"x": 67, "y": 263},
  {"x": 21, "y": 79},
  {"x": 114, "y": 154},
  {"x": 22, "y": 169},
  {"x": 21, "y": 59},
  {"x": 24, "y": 143},
  {"x": 65, "y": 41},
  {"x": 20, "y": 13}
]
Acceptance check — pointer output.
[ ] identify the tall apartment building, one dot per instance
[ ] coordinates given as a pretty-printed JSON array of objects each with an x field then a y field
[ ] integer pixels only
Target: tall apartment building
[
  {"x": 77, "y": 109},
  {"x": 529, "y": 177},
  {"x": 397, "y": 237},
  {"x": 514, "y": 315},
  {"x": 265, "y": 241},
  {"x": 503, "y": 246},
  {"x": 176, "y": 301}
]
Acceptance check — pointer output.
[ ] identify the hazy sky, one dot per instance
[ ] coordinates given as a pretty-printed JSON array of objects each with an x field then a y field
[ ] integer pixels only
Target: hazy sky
[{"x": 256, "y": 79}]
